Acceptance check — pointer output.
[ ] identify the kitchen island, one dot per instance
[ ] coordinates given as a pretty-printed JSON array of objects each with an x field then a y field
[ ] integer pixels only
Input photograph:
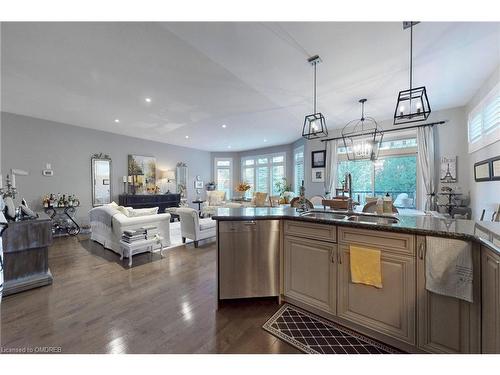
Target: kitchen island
[{"x": 309, "y": 266}]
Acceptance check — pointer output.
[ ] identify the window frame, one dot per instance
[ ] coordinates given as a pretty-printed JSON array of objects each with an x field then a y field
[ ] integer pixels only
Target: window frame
[
  {"x": 298, "y": 182},
  {"x": 270, "y": 164},
  {"x": 400, "y": 135},
  {"x": 230, "y": 168}
]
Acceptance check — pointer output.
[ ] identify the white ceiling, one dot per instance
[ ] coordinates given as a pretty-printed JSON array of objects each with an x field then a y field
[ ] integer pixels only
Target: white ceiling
[{"x": 253, "y": 77}]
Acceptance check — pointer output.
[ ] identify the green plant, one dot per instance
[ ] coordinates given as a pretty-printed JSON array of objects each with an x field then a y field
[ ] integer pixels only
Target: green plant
[{"x": 283, "y": 186}]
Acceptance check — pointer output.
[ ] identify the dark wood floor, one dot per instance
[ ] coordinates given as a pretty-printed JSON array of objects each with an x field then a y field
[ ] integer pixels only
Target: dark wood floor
[{"x": 98, "y": 305}]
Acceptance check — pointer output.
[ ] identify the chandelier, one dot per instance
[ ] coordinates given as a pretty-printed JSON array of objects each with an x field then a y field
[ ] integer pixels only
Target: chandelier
[
  {"x": 314, "y": 124},
  {"x": 413, "y": 104},
  {"x": 362, "y": 137}
]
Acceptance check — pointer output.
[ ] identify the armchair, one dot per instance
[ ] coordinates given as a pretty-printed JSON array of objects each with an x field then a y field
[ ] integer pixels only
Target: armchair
[{"x": 194, "y": 228}]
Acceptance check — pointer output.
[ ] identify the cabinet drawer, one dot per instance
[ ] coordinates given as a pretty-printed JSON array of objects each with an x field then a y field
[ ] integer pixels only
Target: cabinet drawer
[
  {"x": 249, "y": 226},
  {"x": 389, "y": 241},
  {"x": 315, "y": 231}
]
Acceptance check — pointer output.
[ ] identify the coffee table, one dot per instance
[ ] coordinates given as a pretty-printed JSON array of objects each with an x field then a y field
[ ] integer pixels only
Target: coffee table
[{"x": 137, "y": 247}]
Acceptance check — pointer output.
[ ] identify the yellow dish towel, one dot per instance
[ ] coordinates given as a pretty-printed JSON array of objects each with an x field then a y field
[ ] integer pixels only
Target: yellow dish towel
[{"x": 365, "y": 266}]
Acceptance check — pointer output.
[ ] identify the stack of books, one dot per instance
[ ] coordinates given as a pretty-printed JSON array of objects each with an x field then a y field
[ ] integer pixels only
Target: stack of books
[
  {"x": 131, "y": 236},
  {"x": 150, "y": 232}
]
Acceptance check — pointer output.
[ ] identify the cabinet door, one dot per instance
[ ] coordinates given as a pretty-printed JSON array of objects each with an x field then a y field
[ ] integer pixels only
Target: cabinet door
[
  {"x": 446, "y": 324},
  {"x": 491, "y": 301},
  {"x": 310, "y": 274},
  {"x": 389, "y": 310}
]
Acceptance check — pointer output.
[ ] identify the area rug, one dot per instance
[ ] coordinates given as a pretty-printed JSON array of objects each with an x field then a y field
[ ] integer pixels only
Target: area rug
[{"x": 315, "y": 335}]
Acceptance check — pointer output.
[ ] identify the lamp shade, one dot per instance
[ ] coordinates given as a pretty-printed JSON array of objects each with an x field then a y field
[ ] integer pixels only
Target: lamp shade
[{"x": 170, "y": 175}]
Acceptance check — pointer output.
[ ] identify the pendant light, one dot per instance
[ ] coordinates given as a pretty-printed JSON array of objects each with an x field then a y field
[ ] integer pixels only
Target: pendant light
[
  {"x": 362, "y": 137},
  {"x": 314, "y": 124},
  {"x": 413, "y": 104}
]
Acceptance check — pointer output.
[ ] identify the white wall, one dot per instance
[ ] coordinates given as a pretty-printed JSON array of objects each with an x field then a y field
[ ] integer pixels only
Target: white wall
[
  {"x": 29, "y": 143},
  {"x": 484, "y": 195}
]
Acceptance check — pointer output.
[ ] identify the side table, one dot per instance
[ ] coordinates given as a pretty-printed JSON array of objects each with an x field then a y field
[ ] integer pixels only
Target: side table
[
  {"x": 199, "y": 203},
  {"x": 62, "y": 219}
]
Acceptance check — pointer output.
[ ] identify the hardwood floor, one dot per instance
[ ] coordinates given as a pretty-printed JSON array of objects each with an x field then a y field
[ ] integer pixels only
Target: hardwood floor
[{"x": 98, "y": 305}]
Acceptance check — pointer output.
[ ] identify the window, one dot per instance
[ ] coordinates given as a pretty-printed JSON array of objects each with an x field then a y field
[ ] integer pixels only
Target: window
[
  {"x": 224, "y": 175},
  {"x": 484, "y": 121},
  {"x": 394, "y": 172},
  {"x": 298, "y": 168},
  {"x": 262, "y": 172}
]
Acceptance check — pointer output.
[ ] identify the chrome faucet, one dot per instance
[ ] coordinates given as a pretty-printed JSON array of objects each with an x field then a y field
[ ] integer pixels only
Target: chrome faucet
[{"x": 348, "y": 186}]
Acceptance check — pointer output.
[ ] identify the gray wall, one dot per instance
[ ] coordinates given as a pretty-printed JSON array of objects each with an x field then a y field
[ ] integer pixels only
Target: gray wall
[{"x": 29, "y": 143}]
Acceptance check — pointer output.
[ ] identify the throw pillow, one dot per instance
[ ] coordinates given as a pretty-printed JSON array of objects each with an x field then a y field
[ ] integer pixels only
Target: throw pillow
[
  {"x": 123, "y": 210},
  {"x": 142, "y": 211}
]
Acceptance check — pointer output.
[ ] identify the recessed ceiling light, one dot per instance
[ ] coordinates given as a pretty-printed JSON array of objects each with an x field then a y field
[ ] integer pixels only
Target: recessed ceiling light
[
  {"x": 148, "y": 100},
  {"x": 228, "y": 146},
  {"x": 187, "y": 137},
  {"x": 117, "y": 120},
  {"x": 265, "y": 140},
  {"x": 224, "y": 126}
]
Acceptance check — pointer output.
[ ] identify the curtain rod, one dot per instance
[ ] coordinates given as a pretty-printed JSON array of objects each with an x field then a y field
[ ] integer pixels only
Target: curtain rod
[{"x": 394, "y": 129}]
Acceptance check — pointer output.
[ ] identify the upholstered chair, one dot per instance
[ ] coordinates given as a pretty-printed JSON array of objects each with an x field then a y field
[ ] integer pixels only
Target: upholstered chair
[
  {"x": 259, "y": 199},
  {"x": 193, "y": 227},
  {"x": 215, "y": 199}
]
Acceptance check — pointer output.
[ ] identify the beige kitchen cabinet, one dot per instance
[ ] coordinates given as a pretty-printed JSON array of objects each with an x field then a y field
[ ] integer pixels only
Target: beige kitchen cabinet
[
  {"x": 490, "y": 267},
  {"x": 446, "y": 324},
  {"x": 389, "y": 310},
  {"x": 310, "y": 272}
]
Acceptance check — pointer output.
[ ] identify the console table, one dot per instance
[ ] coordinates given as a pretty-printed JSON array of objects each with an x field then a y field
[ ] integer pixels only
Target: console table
[
  {"x": 150, "y": 200},
  {"x": 26, "y": 260}
]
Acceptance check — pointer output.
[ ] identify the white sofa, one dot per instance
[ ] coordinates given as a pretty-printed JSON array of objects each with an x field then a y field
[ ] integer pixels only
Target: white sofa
[
  {"x": 193, "y": 227},
  {"x": 109, "y": 234}
]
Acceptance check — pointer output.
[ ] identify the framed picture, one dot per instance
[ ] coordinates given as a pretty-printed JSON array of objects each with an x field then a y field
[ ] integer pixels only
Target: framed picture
[
  {"x": 318, "y": 159},
  {"x": 198, "y": 184},
  {"x": 495, "y": 168},
  {"x": 448, "y": 172},
  {"x": 318, "y": 175},
  {"x": 482, "y": 171},
  {"x": 142, "y": 169}
]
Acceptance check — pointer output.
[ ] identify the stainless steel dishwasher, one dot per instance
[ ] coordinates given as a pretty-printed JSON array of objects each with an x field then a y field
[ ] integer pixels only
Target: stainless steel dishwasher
[{"x": 248, "y": 263}]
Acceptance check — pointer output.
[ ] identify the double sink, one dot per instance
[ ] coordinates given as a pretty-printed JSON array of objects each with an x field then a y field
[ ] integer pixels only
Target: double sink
[{"x": 351, "y": 216}]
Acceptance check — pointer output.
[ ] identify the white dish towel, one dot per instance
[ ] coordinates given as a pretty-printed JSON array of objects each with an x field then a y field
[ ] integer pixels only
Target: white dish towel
[{"x": 448, "y": 267}]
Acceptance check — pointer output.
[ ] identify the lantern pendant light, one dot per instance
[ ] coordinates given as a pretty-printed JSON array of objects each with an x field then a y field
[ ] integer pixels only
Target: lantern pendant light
[
  {"x": 413, "y": 104},
  {"x": 314, "y": 124},
  {"x": 362, "y": 137}
]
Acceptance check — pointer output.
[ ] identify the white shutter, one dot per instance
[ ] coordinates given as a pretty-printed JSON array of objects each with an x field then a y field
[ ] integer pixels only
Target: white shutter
[
  {"x": 491, "y": 115},
  {"x": 484, "y": 121},
  {"x": 475, "y": 127}
]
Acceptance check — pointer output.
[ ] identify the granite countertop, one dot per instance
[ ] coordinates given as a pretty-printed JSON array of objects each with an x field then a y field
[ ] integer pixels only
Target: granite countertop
[{"x": 487, "y": 233}]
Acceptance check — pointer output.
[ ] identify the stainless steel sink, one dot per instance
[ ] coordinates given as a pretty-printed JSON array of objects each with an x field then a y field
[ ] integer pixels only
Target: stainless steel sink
[
  {"x": 373, "y": 219},
  {"x": 324, "y": 215}
]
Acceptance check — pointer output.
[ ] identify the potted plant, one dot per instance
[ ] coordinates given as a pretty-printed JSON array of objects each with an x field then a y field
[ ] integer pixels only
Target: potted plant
[
  {"x": 210, "y": 186},
  {"x": 241, "y": 189},
  {"x": 285, "y": 190}
]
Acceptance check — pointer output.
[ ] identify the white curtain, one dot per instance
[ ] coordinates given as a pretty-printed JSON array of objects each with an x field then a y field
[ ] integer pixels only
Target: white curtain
[
  {"x": 331, "y": 167},
  {"x": 425, "y": 141}
]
